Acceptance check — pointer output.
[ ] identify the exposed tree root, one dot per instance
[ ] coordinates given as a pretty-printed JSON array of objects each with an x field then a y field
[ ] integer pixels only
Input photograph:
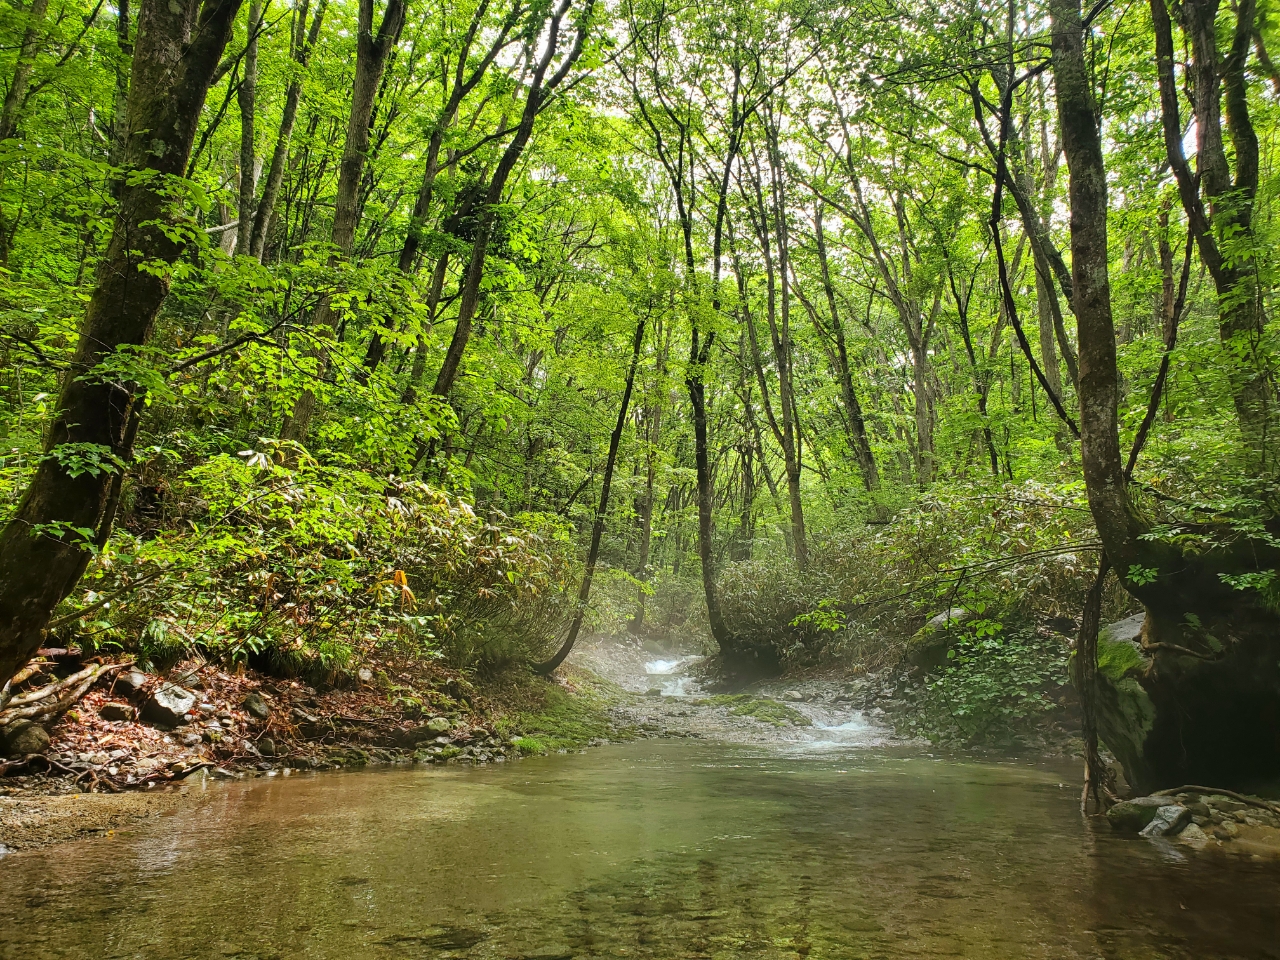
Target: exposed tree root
[
  {"x": 54, "y": 699},
  {"x": 1193, "y": 788}
]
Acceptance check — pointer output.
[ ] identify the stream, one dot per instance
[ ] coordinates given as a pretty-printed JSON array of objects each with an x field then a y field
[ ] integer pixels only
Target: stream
[{"x": 838, "y": 844}]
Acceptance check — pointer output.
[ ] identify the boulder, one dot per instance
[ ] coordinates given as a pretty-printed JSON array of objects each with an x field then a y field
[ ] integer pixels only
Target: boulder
[
  {"x": 1205, "y": 716},
  {"x": 1131, "y": 816},
  {"x": 169, "y": 705},
  {"x": 435, "y": 727},
  {"x": 115, "y": 710},
  {"x": 928, "y": 649},
  {"x": 130, "y": 682},
  {"x": 22, "y": 737},
  {"x": 1167, "y": 822},
  {"x": 255, "y": 704},
  {"x": 1193, "y": 835}
]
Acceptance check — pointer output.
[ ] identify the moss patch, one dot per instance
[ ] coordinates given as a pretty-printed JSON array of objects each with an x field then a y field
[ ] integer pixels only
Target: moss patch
[
  {"x": 1117, "y": 659},
  {"x": 543, "y": 716},
  {"x": 762, "y": 709}
]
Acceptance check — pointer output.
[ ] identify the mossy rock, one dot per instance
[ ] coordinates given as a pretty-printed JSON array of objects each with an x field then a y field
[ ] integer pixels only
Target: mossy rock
[
  {"x": 762, "y": 709},
  {"x": 928, "y": 649}
]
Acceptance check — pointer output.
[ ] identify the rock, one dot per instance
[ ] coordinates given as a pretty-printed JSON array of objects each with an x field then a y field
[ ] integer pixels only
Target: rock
[
  {"x": 653, "y": 692},
  {"x": 1198, "y": 809},
  {"x": 1226, "y": 830},
  {"x": 267, "y": 747},
  {"x": 23, "y": 737},
  {"x": 130, "y": 682},
  {"x": 795, "y": 696},
  {"x": 115, "y": 711},
  {"x": 1132, "y": 816},
  {"x": 433, "y": 728},
  {"x": 928, "y": 649},
  {"x": 1193, "y": 835},
  {"x": 169, "y": 705},
  {"x": 256, "y": 706},
  {"x": 208, "y": 709},
  {"x": 1167, "y": 821},
  {"x": 191, "y": 739},
  {"x": 365, "y": 675}
]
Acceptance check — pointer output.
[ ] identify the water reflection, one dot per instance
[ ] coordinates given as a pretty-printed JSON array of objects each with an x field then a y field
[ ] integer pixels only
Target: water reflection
[{"x": 663, "y": 851}]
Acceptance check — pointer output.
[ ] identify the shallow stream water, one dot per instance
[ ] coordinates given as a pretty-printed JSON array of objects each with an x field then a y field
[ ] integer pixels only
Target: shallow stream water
[{"x": 653, "y": 849}]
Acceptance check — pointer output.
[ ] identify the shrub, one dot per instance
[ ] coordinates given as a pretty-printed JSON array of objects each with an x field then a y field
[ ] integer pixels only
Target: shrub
[{"x": 307, "y": 567}]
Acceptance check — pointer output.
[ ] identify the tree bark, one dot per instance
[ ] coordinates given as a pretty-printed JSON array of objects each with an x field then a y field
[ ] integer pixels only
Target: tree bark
[
  {"x": 247, "y": 101},
  {"x": 43, "y": 547}
]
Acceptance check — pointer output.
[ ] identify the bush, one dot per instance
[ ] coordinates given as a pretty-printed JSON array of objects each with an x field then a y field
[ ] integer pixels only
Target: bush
[
  {"x": 995, "y": 692},
  {"x": 1027, "y": 553},
  {"x": 308, "y": 568}
]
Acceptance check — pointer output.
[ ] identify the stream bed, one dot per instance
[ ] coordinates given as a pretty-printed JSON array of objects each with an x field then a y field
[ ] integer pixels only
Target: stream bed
[{"x": 652, "y": 849}]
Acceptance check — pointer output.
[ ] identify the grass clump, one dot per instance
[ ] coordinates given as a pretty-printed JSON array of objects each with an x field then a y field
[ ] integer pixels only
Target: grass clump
[
  {"x": 762, "y": 709},
  {"x": 543, "y": 717}
]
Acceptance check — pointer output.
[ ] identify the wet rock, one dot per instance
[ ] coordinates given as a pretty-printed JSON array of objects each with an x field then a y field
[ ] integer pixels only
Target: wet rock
[
  {"x": 267, "y": 747},
  {"x": 115, "y": 711},
  {"x": 653, "y": 692},
  {"x": 1226, "y": 830},
  {"x": 1131, "y": 816},
  {"x": 256, "y": 706},
  {"x": 23, "y": 737},
  {"x": 1167, "y": 821},
  {"x": 169, "y": 705}
]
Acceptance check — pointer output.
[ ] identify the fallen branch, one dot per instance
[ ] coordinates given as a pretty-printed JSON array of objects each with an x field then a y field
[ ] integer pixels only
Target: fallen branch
[
  {"x": 1193, "y": 788},
  {"x": 38, "y": 704}
]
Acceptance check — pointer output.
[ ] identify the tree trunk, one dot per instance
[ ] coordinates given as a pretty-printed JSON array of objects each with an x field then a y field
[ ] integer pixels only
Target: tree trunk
[
  {"x": 371, "y": 60},
  {"x": 247, "y": 100},
  {"x": 1219, "y": 205},
  {"x": 597, "y": 527},
  {"x": 304, "y": 41},
  {"x": 1199, "y": 702},
  {"x": 857, "y": 424},
  {"x": 16, "y": 97},
  {"x": 541, "y": 87},
  {"x": 43, "y": 547}
]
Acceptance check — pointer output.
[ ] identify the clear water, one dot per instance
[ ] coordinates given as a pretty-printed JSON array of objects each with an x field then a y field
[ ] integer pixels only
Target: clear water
[{"x": 662, "y": 850}]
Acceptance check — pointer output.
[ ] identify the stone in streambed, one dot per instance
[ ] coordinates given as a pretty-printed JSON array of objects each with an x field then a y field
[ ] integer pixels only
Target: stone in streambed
[
  {"x": 256, "y": 706},
  {"x": 115, "y": 711},
  {"x": 1193, "y": 836},
  {"x": 1132, "y": 816},
  {"x": 169, "y": 705},
  {"x": 1167, "y": 821},
  {"x": 22, "y": 737}
]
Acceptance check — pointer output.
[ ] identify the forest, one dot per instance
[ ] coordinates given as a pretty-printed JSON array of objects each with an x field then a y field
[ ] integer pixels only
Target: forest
[{"x": 336, "y": 330}]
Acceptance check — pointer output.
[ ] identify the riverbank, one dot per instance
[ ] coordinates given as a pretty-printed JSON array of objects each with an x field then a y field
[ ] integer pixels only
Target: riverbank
[{"x": 131, "y": 748}]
